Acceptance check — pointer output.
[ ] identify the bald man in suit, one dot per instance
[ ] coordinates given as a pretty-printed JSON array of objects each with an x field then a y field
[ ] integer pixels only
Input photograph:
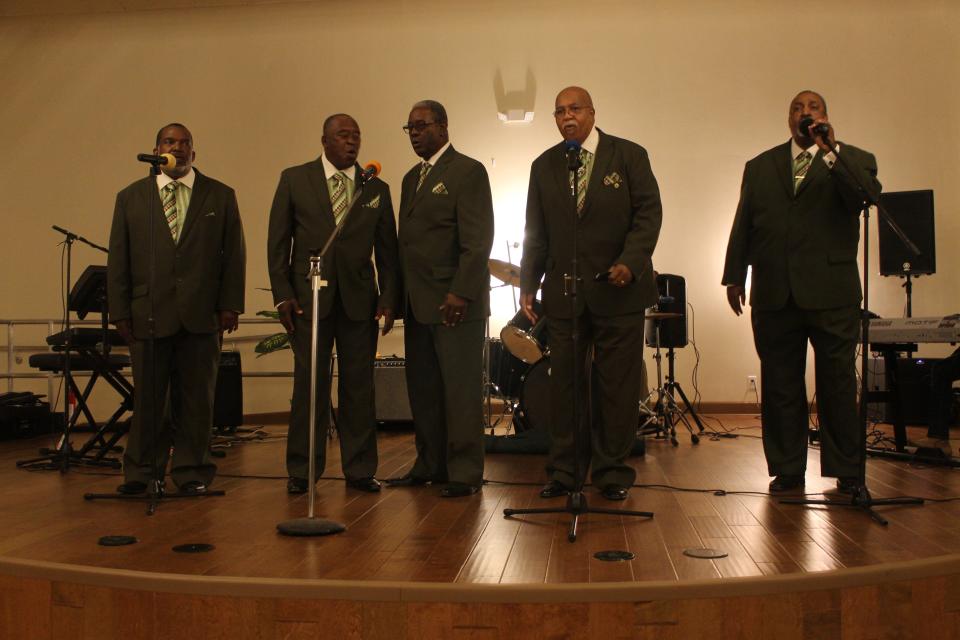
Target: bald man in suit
[
  {"x": 177, "y": 256},
  {"x": 797, "y": 227},
  {"x": 307, "y": 206},
  {"x": 617, "y": 223}
]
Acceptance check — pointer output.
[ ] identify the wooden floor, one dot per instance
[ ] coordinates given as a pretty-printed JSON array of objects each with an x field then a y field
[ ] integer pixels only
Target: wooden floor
[{"x": 411, "y": 534}]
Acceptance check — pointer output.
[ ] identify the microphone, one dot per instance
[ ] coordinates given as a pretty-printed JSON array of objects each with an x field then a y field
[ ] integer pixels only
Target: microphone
[
  {"x": 162, "y": 160},
  {"x": 573, "y": 155},
  {"x": 822, "y": 130},
  {"x": 370, "y": 171}
]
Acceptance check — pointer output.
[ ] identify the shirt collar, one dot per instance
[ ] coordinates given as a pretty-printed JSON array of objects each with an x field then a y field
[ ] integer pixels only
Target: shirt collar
[
  {"x": 187, "y": 180},
  {"x": 329, "y": 170},
  {"x": 433, "y": 159},
  {"x": 593, "y": 139}
]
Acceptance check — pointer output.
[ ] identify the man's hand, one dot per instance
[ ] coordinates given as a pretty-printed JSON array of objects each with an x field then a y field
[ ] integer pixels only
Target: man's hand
[
  {"x": 125, "y": 329},
  {"x": 620, "y": 275},
  {"x": 387, "y": 314},
  {"x": 526, "y": 304},
  {"x": 287, "y": 309},
  {"x": 453, "y": 309},
  {"x": 828, "y": 144},
  {"x": 736, "y": 297},
  {"x": 229, "y": 321}
]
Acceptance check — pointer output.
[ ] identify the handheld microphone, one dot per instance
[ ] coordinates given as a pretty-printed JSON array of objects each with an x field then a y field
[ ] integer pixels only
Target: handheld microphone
[
  {"x": 822, "y": 130},
  {"x": 162, "y": 160},
  {"x": 370, "y": 171},
  {"x": 573, "y": 155}
]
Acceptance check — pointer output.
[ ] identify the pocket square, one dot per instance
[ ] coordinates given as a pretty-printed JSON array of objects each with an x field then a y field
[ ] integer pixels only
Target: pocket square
[
  {"x": 439, "y": 189},
  {"x": 212, "y": 213},
  {"x": 373, "y": 204},
  {"x": 613, "y": 180}
]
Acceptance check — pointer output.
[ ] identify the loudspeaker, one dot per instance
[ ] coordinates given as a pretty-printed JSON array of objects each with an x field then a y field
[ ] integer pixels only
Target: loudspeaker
[
  {"x": 390, "y": 389},
  {"x": 228, "y": 398},
  {"x": 913, "y": 212},
  {"x": 914, "y": 386},
  {"x": 673, "y": 299}
]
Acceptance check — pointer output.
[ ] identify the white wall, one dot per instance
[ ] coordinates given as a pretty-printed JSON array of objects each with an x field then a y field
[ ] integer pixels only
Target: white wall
[{"x": 703, "y": 86}]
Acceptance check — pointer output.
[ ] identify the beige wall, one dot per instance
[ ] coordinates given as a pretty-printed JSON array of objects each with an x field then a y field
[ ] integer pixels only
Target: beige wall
[{"x": 703, "y": 86}]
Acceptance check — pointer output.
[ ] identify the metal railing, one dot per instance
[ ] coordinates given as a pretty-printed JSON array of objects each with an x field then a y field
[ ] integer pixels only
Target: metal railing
[{"x": 53, "y": 325}]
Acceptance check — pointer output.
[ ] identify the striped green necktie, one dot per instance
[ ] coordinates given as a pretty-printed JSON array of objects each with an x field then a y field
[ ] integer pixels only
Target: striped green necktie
[
  {"x": 337, "y": 184},
  {"x": 801, "y": 164},
  {"x": 424, "y": 170},
  {"x": 583, "y": 178},
  {"x": 170, "y": 210}
]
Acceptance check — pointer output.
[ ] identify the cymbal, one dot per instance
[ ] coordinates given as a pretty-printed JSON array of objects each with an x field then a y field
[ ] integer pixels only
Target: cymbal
[
  {"x": 661, "y": 315},
  {"x": 505, "y": 272}
]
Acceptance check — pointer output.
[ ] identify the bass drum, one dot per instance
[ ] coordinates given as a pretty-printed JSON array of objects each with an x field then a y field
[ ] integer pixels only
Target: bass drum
[
  {"x": 504, "y": 371},
  {"x": 534, "y": 408}
]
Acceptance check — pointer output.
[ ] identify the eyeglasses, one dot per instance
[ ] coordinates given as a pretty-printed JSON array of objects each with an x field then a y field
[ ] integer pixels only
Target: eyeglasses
[
  {"x": 573, "y": 110},
  {"x": 416, "y": 126}
]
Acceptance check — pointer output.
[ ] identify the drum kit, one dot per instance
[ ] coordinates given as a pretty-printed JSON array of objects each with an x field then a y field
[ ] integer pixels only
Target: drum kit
[{"x": 517, "y": 364}]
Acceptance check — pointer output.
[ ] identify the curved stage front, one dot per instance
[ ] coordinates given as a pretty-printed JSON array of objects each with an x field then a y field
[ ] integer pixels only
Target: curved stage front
[{"x": 413, "y": 565}]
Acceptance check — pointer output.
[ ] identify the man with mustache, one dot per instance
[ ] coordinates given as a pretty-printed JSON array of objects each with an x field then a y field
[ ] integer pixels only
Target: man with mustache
[{"x": 177, "y": 257}]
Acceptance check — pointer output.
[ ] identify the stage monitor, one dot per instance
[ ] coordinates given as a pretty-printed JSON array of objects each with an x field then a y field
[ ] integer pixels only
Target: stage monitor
[{"x": 913, "y": 212}]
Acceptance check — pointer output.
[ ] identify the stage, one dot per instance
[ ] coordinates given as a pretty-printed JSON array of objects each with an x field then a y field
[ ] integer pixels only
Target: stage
[{"x": 414, "y": 565}]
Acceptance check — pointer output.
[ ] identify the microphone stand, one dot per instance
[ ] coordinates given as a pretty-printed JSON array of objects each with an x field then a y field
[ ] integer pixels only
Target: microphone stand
[
  {"x": 576, "y": 500},
  {"x": 155, "y": 488},
  {"x": 311, "y": 525},
  {"x": 860, "y": 497}
]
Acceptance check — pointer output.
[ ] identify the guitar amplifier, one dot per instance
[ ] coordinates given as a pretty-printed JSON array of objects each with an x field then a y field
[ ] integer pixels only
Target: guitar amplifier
[
  {"x": 228, "y": 397},
  {"x": 390, "y": 388}
]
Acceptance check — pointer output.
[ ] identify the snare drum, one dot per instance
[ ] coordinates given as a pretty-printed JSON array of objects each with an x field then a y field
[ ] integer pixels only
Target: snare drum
[{"x": 525, "y": 340}]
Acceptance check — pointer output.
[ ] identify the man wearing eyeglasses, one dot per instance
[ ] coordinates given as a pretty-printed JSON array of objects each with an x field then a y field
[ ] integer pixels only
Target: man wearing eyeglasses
[
  {"x": 311, "y": 200},
  {"x": 446, "y": 233},
  {"x": 615, "y": 219}
]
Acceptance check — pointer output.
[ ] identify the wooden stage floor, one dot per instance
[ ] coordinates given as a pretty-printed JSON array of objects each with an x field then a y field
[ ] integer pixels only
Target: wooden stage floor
[{"x": 411, "y": 534}]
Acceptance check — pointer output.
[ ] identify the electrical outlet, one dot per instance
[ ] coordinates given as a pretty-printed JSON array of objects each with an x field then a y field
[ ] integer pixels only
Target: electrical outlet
[{"x": 752, "y": 381}]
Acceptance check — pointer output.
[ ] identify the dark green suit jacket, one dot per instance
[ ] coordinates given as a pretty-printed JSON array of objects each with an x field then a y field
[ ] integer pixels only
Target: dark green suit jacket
[
  {"x": 802, "y": 245},
  {"x": 301, "y": 219},
  {"x": 620, "y": 223},
  {"x": 195, "y": 278},
  {"x": 446, "y": 233}
]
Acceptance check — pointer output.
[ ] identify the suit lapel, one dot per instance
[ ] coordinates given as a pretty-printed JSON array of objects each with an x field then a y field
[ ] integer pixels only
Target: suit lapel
[
  {"x": 432, "y": 179},
  {"x": 783, "y": 160},
  {"x": 558, "y": 163},
  {"x": 318, "y": 180},
  {"x": 601, "y": 165},
  {"x": 201, "y": 188}
]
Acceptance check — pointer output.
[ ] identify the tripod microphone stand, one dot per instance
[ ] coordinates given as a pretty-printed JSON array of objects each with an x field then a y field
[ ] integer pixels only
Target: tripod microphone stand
[
  {"x": 860, "y": 497},
  {"x": 667, "y": 412},
  {"x": 576, "y": 500}
]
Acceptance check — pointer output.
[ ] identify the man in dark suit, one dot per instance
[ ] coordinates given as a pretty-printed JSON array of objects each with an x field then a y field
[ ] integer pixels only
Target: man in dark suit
[
  {"x": 446, "y": 232},
  {"x": 797, "y": 226},
  {"x": 177, "y": 256},
  {"x": 616, "y": 220},
  {"x": 310, "y": 200}
]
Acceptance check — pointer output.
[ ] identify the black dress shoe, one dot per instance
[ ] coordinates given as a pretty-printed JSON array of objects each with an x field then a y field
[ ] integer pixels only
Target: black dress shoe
[
  {"x": 847, "y": 484},
  {"x": 614, "y": 492},
  {"x": 296, "y": 485},
  {"x": 553, "y": 489},
  {"x": 785, "y": 483},
  {"x": 132, "y": 488},
  {"x": 458, "y": 490},
  {"x": 407, "y": 481},
  {"x": 193, "y": 488},
  {"x": 370, "y": 485}
]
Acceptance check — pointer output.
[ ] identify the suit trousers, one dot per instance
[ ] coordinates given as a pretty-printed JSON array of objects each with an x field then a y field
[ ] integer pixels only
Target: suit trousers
[
  {"x": 445, "y": 384},
  {"x": 173, "y": 406},
  {"x": 781, "y": 338},
  {"x": 356, "y": 411},
  {"x": 610, "y": 368}
]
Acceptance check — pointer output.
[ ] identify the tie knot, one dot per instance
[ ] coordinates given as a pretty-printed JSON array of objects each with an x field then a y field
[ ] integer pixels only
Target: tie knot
[
  {"x": 171, "y": 186},
  {"x": 426, "y": 166},
  {"x": 339, "y": 177},
  {"x": 803, "y": 155}
]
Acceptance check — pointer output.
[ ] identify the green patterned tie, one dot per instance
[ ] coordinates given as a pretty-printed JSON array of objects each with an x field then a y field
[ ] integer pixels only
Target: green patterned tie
[
  {"x": 424, "y": 170},
  {"x": 338, "y": 195},
  {"x": 801, "y": 164},
  {"x": 583, "y": 178},
  {"x": 168, "y": 197}
]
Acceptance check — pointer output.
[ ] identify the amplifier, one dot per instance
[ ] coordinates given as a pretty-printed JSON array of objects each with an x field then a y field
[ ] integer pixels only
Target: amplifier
[
  {"x": 390, "y": 387},
  {"x": 228, "y": 397},
  {"x": 914, "y": 386},
  {"x": 23, "y": 415}
]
